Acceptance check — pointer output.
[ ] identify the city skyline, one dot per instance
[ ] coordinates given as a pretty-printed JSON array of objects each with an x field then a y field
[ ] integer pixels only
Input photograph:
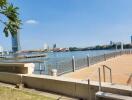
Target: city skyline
[{"x": 72, "y": 23}]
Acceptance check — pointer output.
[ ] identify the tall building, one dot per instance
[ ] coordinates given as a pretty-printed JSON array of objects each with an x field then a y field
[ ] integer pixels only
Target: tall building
[
  {"x": 111, "y": 43},
  {"x": 45, "y": 46},
  {"x": 54, "y": 46},
  {"x": 131, "y": 39},
  {"x": 16, "y": 43}
]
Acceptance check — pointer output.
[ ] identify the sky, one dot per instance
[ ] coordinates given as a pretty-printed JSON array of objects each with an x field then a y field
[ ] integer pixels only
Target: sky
[{"x": 72, "y": 23}]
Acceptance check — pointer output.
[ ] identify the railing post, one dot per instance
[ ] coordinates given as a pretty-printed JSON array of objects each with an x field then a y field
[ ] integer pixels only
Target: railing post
[
  {"x": 120, "y": 53},
  {"x": 40, "y": 67},
  {"x": 44, "y": 67},
  {"x": 104, "y": 57},
  {"x": 89, "y": 91},
  {"x": 54, "y": 72},
  {"x": 88, "y": 60},
  {"x": 73, "y": 64},
  {"x": 116, "y": 47},
  {"x": 104, "y": 72},
  {"x": 21, "y": 82},
  {"x": 114, "y": 54},
  {"x": 129, "y": 51},
  {"x": 110, "y": 76},
  {"x": 131, "y": 80},
  {"x": 99, "y": 79}
]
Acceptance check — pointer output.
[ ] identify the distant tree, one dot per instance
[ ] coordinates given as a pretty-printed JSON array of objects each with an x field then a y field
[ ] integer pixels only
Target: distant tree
[
  {"x": 11, "y": 21},
  {"x": 74, "y": 49}
]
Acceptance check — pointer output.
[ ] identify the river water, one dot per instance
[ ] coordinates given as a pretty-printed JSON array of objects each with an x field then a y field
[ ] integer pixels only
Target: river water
[
  {"x": 53, "y": 56},
  {"x": 55, "y": 60}
]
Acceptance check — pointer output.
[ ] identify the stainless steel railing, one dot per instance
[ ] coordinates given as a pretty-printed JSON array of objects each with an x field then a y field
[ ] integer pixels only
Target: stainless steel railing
[
  {"x": 104, "y": 75},
  {"x": 130, "y": 80}
]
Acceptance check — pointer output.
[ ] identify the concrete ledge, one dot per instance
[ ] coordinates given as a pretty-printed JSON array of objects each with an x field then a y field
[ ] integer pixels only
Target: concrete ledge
[
  {"x": 45, "y": 84},
  {"x": 103, "y": 96},
  {"x": 65, "y": 86},
  {"x": 71, "y": 87},
  {"x": 21, "y": 68},
  {"x": 10, "y": 78}
]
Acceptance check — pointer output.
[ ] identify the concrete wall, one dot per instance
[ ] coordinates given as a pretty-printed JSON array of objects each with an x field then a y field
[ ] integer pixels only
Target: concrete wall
[
  {"x": 70, "y": 87},
  {"x": 10, "y": 78},
  {"x": 21, "y": 68},
  {"x": 66, "y": 86}
]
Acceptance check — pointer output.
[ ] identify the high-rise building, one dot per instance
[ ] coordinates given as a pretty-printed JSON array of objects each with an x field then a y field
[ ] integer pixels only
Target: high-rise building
[
  {"x": 54, "y": 46},
  {"x": 111, "y": 43},
  {"x": 131, "y": 39},
  {"x": 16, "y": 43}
]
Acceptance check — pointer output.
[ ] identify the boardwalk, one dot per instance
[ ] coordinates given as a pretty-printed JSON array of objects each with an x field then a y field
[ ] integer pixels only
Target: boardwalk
[{"x": 121, "y": 70}]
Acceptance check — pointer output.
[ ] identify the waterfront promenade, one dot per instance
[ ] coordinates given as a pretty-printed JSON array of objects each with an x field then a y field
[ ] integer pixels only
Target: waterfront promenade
[{"x": 121, "y": 67}]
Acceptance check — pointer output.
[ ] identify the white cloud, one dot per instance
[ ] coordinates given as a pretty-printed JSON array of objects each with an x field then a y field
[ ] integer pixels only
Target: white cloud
[{"x": 31, "y": 21}]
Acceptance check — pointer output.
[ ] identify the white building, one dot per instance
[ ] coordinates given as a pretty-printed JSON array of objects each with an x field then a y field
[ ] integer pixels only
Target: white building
[
  {"x": 1, "y": 50},
  {"x": 46, "y": 47}
]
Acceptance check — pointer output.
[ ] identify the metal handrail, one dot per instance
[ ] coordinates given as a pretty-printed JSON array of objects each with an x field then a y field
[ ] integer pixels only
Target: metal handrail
[
  {"x": 104, "y": 67},
  {"x": 88, "y": 81},
  {"x": 99, "y": 74},
  {"x": 130, "y": 80}
]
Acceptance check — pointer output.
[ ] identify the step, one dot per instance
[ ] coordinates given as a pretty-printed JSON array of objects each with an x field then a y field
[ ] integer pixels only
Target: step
[{"x": 111, "y": 96}]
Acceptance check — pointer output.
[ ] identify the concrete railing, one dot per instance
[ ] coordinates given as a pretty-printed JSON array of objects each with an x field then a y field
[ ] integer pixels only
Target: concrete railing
[{"x": 21, "y": 68}]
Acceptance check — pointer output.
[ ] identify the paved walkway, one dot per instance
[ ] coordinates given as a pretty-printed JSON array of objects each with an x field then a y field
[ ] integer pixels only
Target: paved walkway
[{"x": 121, "y": 70}]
